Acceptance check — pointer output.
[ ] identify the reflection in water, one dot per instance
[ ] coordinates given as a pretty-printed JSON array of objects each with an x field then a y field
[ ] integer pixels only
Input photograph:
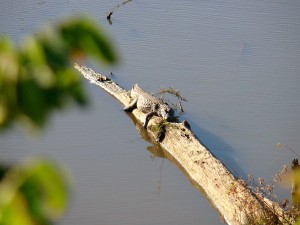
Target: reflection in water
[{"x": 158, "y": 152}]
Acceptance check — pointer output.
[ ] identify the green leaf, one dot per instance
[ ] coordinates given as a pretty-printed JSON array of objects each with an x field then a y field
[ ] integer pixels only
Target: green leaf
[
  {"x": 36, "y": 192},
  {"x": 32, "y": 102},
  {"x": 81, "y": 35},
  {"x": 38, "y": 77},
  {"x": 296, "y": 186}
]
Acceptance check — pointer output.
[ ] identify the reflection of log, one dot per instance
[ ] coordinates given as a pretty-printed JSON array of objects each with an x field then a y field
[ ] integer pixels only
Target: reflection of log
[{"x": 228, "y": 194}]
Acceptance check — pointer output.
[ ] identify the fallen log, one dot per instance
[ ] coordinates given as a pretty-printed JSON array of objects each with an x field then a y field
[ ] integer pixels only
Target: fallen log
[{"x": 230, "y": 196}]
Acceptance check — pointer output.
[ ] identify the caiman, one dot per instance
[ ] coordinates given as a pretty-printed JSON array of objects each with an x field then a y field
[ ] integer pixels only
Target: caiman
[{"x": 149, "y": 104}]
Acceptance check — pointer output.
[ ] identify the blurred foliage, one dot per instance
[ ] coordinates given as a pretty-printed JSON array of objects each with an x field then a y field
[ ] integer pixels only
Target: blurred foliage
[
  {"x": 296, "y": 187},
  {"x": 37, "y": 77},
  {"x": 295, "y": 175},
  {"x": 34, "y": 192}
]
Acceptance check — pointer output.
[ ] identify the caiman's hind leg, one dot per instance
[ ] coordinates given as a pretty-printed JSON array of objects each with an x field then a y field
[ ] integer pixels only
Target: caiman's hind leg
[
  {"x": 148, "y": 117},
  {"x": 131, "y": 106}
]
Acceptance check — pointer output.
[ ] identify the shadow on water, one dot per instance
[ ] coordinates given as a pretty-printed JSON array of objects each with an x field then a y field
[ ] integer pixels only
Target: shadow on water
[
  {"x": 158, "y": 152},
  {"x": 220, "y": 149}
]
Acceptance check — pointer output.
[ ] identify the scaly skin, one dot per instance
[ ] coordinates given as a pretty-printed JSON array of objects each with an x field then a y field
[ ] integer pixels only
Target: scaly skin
[{"x": 149, "y": 104}]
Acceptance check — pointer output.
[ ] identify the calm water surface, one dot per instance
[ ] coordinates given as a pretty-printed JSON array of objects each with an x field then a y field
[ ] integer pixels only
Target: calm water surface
[{"x": 238, "y": 65}]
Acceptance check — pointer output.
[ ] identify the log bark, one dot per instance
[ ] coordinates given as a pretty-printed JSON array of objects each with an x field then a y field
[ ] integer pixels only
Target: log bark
[{"x": 230, "y": 196}]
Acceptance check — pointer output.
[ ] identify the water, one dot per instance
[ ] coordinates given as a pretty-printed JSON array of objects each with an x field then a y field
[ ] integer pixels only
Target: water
[{"x": 238, "y": 65}]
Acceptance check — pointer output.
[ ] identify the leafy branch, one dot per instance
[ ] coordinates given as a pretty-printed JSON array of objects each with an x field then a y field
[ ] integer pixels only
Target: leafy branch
[{"x": 37, "y": 77}]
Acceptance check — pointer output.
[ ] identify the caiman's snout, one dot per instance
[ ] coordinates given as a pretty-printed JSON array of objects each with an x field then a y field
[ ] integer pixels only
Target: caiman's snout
[{"x": 168, "y": 114}]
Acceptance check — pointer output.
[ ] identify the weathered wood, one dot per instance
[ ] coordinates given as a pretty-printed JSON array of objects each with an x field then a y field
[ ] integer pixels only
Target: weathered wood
[{"x": 233, "y": 199}]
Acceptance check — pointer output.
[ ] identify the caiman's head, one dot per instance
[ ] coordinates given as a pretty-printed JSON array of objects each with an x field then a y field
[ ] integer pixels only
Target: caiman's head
[{"x": 166, "y": 112}]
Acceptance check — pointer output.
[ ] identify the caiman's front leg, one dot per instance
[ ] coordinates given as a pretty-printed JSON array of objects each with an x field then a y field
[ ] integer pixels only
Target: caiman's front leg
[
  {"x": 148, "y": 117},
  {"x": 131, "y": 106}
]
